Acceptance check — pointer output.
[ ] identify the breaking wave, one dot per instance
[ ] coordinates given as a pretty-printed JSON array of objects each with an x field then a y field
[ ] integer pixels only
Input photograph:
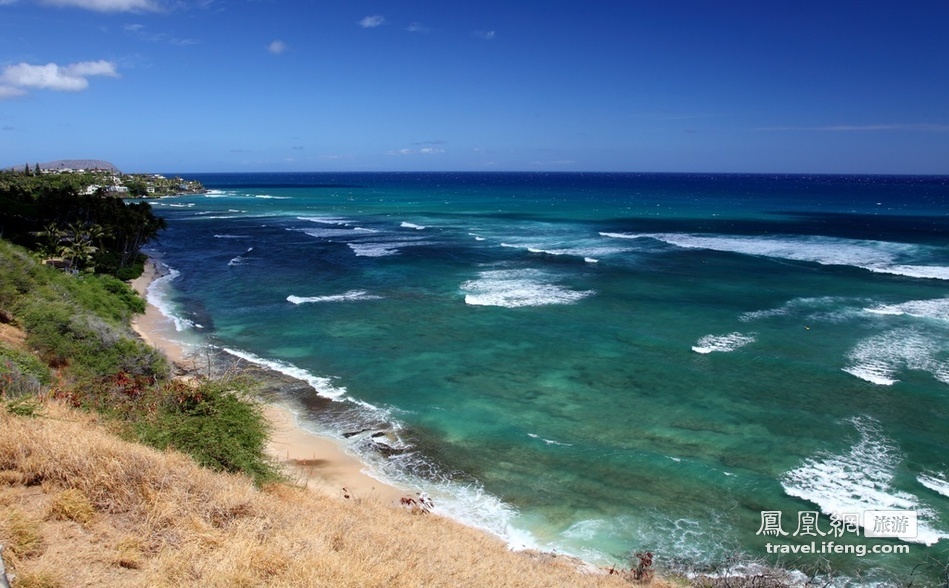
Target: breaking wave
[
  {"x": 723, "y": 343},
  {"x": 860, "y": 480},
  {"x": 352, "y": 295},
  {"x": 876, "y": 256},
  {"x": 880, "y": 358},
  {"x": 516, "y": 288}
]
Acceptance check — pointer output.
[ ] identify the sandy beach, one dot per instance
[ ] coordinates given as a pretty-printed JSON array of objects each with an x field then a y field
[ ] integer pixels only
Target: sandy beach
[{"x": 320, "y": 463}]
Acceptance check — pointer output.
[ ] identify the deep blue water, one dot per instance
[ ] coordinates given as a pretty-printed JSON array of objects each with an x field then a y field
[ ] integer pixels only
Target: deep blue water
[{"x": 600, "y": 363}]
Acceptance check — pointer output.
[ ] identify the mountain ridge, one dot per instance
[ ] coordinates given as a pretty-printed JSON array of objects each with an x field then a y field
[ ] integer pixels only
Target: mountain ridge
[{"x": 74, "y": 164}]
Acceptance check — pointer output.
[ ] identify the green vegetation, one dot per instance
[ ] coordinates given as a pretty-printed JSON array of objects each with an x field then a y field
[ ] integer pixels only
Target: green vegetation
[
  {"x": 22, "y": 373},
  {"x": 216, "y": 422},
  {"x": 57, "y": 216},
  {"x": 82, "y": 350}
]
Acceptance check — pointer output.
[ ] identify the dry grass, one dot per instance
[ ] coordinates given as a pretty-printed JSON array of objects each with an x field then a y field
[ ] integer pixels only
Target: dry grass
[
  {"x": 83, "y": 508},
  {"x": 12, "y": 336},
  {"x": 72, "y": 505}
]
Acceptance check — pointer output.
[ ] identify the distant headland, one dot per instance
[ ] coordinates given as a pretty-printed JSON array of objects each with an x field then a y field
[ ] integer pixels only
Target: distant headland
[
  {"x": 76, "y": 165},
  {"x": 96, "y": 175}
]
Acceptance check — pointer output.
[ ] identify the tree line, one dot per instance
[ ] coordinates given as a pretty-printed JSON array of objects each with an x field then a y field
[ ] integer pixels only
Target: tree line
[{"x": 51, "y": 215}]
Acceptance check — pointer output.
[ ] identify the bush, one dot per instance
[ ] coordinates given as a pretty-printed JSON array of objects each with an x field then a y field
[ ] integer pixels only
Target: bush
[
  {"x": 64, "y": 333},
  {"x": 216, "y": 422},
  {"x": 20, "y": 274},
  {"x": 106, "y": 296},
  {"x": 21, "y": 373}
]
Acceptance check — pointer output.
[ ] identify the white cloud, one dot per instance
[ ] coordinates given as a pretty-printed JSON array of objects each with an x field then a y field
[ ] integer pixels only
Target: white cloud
[
  {"x": 106, "y": 5},
  {"x": 91, "y": 68},
  {"x": 277, "y": 47},
  {"x": 10, "y": 92},
  {"x": 417, "y": 27},
  {"x": 69, "y": 78},
  {"x": 371, "y": 22},
  {"x": 422, "y": 151},
  {"x": 486, "y": 35}
]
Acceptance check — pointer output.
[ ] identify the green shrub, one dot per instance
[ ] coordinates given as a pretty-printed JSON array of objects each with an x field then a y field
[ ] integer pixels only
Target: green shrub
[
  {"x": 63, "y": 333},
  {"x": 134, "y": 270},
  {"x": 20, "y": 274},
  {"x": 21, "y": 374},
  {"x": 216, "y": 422},
  {"x": 106, "y": 296},
  {"x": 24, "y": 407}
]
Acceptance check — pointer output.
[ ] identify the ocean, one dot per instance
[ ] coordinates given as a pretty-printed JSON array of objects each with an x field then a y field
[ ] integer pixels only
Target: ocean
[{"x": 603, "y": 364}]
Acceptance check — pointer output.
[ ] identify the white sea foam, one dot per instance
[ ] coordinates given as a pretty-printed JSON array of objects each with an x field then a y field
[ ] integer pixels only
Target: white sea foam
[
  {"x": 352, "y": 295},
  {"x": 931, "y": 309},
  {"x": 623, "y": 235},
  {"x": 473, "y": 506},
  {"x": 323, "y": 386},
  {"x": 269, "y": 197},
  {"x": 585, "y": 530},
  {"x": 860, "y": 480},
  {"x": 875, "y": 256},
  {"x": 409, "y": 225},
  {"x": 216, "y": 194},
  {"x": 935, "y": 482},
  {"x": 157, "y": 296},
  {"x": 880, "y": 358},
  {"x": 239, "y": 259},
  {"x": 381, "y": 248},
  {"x": 231, "y": 236},
  {"x": 812, "y": 308},
  {"x": 549, "y": 441},
  {"x": 590, "y": 252},
  {"x": 723, "y": 343},
  {"x": 329, "y": 233},
  {"x": 934, "y": 272},
  {"x": 325, "y": 220},
  {"x": 519, "y": 288}
]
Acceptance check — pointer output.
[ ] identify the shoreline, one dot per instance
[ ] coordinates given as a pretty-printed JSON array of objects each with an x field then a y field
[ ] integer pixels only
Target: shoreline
[
  {"x": 317, "y": 462},
  {"x": 320, "y": 463}
]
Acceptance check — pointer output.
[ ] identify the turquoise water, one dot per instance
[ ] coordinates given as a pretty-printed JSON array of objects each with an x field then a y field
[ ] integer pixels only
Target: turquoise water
[{"x": 600, "y": 363}]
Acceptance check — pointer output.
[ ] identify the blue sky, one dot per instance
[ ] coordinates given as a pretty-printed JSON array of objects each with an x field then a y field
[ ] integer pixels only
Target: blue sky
[{"x": 603, "y": 85}]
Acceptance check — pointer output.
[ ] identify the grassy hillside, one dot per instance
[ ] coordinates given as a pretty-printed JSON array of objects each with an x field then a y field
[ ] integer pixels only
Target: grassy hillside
[
  {"x": 80, "y": 507},
  {"x": 75, "y": 344}
]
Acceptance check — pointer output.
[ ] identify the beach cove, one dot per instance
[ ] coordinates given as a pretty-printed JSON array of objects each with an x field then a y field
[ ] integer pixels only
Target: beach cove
[
  {"x": 594, "y": 364},
  {"x": 316, "y": 461}
]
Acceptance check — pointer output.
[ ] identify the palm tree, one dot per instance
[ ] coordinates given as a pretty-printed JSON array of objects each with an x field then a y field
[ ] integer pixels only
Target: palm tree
[
  {"x": 78, "y": 246},
  {"x": 53, "y": 237}
]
